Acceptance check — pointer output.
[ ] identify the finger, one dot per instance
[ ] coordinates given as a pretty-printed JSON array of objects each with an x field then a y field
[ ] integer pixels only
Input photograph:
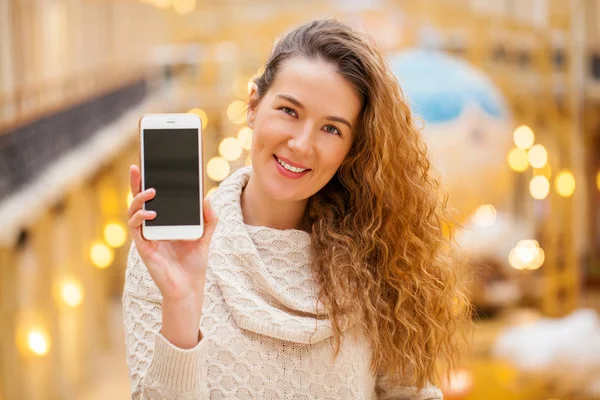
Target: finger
[
  {"x": 138, "y": 201},
  {"x": 136, "y": 221},
  {"x": 210, "y": 221},
  {"x": 134, "y": 180}
]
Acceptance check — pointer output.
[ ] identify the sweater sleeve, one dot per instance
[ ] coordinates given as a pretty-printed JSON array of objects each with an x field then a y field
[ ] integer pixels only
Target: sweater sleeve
[
  {"x": 386, "y": 391},
  {"x": 157, "y": 369}
]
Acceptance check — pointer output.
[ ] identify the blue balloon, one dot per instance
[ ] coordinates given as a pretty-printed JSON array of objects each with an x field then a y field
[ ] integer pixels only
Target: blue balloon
[{"x": 439, "y": 86}]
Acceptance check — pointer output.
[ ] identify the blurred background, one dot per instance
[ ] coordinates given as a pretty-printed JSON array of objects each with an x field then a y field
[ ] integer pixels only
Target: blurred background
[{"x": 508, "y": 93}]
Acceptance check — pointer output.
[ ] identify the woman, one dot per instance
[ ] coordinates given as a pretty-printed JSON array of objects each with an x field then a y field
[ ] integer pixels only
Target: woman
[{"x": 325, "y": 276}]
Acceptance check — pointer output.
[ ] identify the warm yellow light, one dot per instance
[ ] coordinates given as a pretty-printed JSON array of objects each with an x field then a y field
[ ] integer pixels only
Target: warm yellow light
[
  {"x": 485, "y": 215},
  {"x": 527, "y": 254},
  {"x": 184, "y": 7},
  {"x": 164, "y": 4},
  {"x": 565, "y": 183},
  {"x": 523, "y": 137},
  {"x": 241, "y": 87},
  {"x": 129, "y": 199},
  {"x": 248, "y": 162},
  {"x": 517, "y": 160},
  {"x": 115, "y": 234},
  {"x": 245, "y": 137},
  {"x": 102, "y": 255},
  {"x": 202, "y": 114},
  {"x": 211, "y": 191},
  {"x": 38, "y": 341},
  {"x": 71, "y": 292},
  {"x": 230, "y": 149},
  {"x": 217, "y": 169},
  {"x": 537, "y": 156},
  {"x": 598, "y": 180},
  {"x": 546, "y": 171},
  {"x": 539, "y": 187},
  {"x": 236, "y": 112}
]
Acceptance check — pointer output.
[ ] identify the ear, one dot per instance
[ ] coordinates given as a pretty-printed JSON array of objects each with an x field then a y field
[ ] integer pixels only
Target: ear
[{"x": 252, "y": 106}]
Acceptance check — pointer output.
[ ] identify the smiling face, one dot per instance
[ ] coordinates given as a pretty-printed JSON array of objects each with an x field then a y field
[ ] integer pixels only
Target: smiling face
[{"x": 303, "y": 128}]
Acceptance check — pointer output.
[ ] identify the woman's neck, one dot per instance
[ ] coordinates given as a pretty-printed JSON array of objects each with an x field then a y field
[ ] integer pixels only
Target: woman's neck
[{"x": 259, "y": 209}]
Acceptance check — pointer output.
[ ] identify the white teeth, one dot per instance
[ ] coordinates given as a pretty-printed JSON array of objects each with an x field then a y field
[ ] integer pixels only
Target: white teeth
[{"x": 289, "y": 167}]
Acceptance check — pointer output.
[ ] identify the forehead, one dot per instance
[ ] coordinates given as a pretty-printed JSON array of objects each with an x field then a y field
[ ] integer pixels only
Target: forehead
[{"x": 318, "y": 86}]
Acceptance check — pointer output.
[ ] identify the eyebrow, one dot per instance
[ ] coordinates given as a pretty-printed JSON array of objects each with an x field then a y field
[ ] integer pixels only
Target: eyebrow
[{"x": 300, "y": 105}]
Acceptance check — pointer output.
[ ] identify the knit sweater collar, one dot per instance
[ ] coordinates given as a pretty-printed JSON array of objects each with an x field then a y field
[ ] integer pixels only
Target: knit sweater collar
[{"x": 264, "y": 273}]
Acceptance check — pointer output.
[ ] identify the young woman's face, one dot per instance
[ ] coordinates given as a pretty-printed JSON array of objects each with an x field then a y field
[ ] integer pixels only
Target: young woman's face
[{"x": 305, "y": 121}]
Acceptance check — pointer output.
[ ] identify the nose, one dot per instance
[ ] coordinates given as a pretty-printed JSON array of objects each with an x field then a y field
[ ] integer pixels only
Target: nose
[{"x": 302, "y": 142}]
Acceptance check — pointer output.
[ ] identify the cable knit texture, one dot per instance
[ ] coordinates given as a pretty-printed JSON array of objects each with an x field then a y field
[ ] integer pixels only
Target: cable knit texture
[{"x": 263, "y": 335}]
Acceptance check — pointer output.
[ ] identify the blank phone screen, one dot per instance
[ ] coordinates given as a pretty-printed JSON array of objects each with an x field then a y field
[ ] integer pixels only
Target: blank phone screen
[{"x": 171, "y": 163}]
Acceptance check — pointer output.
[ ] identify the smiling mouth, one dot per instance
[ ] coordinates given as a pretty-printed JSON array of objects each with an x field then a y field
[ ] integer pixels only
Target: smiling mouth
[{"x": 289, "y": 167}]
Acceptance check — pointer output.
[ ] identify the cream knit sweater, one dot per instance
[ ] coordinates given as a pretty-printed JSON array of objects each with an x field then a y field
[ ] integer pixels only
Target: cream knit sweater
[{"x": 263, "y": 337}]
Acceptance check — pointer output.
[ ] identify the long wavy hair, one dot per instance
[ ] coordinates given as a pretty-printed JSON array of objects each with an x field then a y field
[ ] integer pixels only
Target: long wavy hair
[{"x": 380, "y": 250}]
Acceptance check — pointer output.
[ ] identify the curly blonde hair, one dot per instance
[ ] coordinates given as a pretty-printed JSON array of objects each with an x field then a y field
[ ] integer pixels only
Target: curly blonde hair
[{"x": 380, "y": 252}]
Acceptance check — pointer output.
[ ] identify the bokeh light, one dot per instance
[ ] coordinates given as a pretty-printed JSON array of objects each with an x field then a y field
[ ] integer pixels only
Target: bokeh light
[
  {"x": 485, "y": 215},
  {"x": 115, "y": 234},
  {"x": 523, "y": 137},
  {"x": 245, "y": 137},
  {"x": 101, "y": 255},
  {"x": 242, "y": 86},
  {"x": 236, "y": 112},
  {"x": 527, "y": 254},
  {"x": 539, "y": 187},
  {"x": 71, "y": 292},
  {"x": 218, "y": 169},
  {"x": 230, "y": 149},
  {"x": 129, "y": 199},
  {"x": 38, "y": 341},
  {"x": 537, "y": 156},
  {"x": 517, "y": 160},
  {"x": 211, "y": 191},
  {"x": 565, "y": 183},
  {"x": 184, "y": 7},
  {"x": 202, "y": 114}
]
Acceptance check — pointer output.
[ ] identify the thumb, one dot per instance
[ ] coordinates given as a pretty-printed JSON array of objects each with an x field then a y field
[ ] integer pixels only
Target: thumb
[{"x": 210, "y": 220}]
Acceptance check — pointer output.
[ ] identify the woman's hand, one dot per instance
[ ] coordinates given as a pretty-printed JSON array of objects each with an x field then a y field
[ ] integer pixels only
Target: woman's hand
[{"x": 177, "y": 267}]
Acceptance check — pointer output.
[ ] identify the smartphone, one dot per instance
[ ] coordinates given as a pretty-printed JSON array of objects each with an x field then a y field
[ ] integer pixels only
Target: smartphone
[{"x": 171, "y": 162}]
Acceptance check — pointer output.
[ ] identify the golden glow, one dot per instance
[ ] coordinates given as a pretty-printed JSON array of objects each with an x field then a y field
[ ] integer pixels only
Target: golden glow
[
  {"x": 164, "y": 4},
  {"x": 485, "y": 215},
  {"x": 598, "y": 180},
  {"x": 245, "y": 137},
  {"x": 236, "y": 112},
  {"x": 217, "y": 169},
  {"x": 101, "y": 255},
  {"x": 527, "y": 254},
  {"x": 517, "y": 160},
  {"x": 546, "y": 171},
  {"x": 230, "y": 149},
  {"x": 202, "y": 114},
  {"x": 38, "y": 341},
  {"x": 539, "y": 187},
  {"x": 184, "y": 7},
  {"x": 523, "y": 137},
  {"x": 537, "y": 156},
  {"x": 564, "y": 183},
  {"x": 242, "y": 86},
  {"x": 211, "y": 191},
  {"x": 115, "y": 234},
  {"x": 248, "y": 162},
  {"x": 129, "y": 199},
  {"x": 71, "y": 292}
]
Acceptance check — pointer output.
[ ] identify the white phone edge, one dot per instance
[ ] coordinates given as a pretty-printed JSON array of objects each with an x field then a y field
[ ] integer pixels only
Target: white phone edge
[{"x": 173, "y": 121}]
